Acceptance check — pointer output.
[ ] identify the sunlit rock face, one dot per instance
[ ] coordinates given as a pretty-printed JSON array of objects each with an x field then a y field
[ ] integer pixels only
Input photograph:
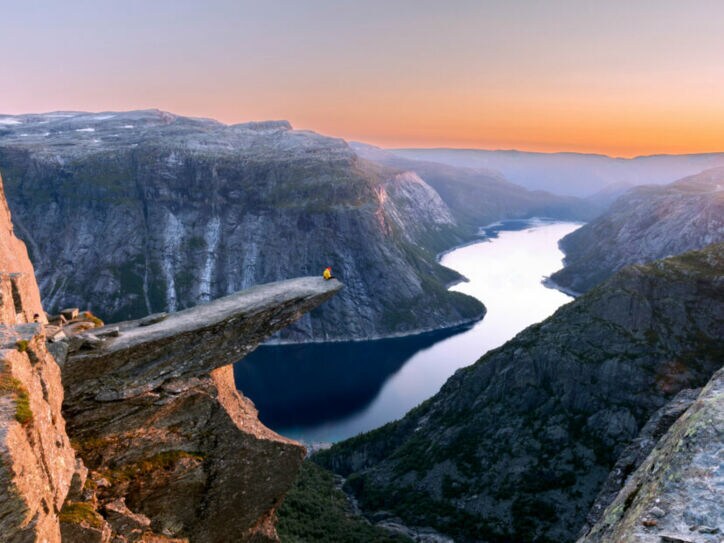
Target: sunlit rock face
[
  {"x": 517, "y": 446},
  {"x": 645, "y": 224},
  {"x": 36, "y": 459},
  {"x": 134, "y": 213}
]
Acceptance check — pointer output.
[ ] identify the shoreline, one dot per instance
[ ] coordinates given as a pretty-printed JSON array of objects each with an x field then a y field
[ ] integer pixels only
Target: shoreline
[
  {"x": 480, "y": 237},
  {"x": 416, "y": 332},
  {"x": 551, "y": 284}
]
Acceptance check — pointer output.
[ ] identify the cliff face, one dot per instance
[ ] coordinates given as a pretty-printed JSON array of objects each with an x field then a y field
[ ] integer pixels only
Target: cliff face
[
  {"x": 675, "y": 495},
  {"x": 155, "y": 415},
  {"x": 517, "y": 446},
  {"x": 134, "y": 213},
  {"x": 174, "y": 452},
  {"x": 645, "y": 224},
  {"x": 36, "y": 459}
]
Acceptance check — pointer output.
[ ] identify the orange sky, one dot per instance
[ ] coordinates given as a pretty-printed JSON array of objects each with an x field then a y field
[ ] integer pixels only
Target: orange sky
[{"x": 563, "y": 75}]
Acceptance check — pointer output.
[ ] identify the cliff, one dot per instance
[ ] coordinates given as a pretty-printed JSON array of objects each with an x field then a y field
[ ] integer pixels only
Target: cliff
[
  {"x": 517, "y": 446},
  {"x": 153, "y": 411},
  {"x": 645, "y": 224},
  {"x": 133, "y": 213},
  {"x": 164, "y": 449},
  {"x": 36, "y": 459},
  {"x": 675, "y": 495}
]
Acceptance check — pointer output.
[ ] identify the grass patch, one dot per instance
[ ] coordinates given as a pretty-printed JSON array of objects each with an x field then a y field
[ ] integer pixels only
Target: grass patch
[
  {"x": 10, "y": 385},
  {"x": 80, "y": 513},
  {"x": 165, "y": 461},
  {"x": 22, "y": 345},
  {"x": 315, "y": 510}
]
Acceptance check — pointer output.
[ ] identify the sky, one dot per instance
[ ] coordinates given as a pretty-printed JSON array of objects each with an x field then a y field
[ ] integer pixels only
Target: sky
[{"x": 615, "y": 77}]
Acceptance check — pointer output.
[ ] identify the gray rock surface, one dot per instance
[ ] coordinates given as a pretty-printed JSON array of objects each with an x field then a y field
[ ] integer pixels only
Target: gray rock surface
[
  {"x": 517, "y": 446},
  {"x": 677, "y": 494},
  {"x": 645, "y": 224},
  {"x": 133, "y": 213},
  {"x": 637, "y": 451}
]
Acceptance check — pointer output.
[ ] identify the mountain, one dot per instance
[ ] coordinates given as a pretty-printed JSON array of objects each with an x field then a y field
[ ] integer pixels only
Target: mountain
[
  {"x": 645, "y": 224},
  {"x": 573, "y": 174},
  {"x": 517, "y": 446},
  {"x": 675, "y": 494},
  {"x": 139, "y": 212},
  {"x": 480, "y": 197},
  {"x": 136, "y": 432}
]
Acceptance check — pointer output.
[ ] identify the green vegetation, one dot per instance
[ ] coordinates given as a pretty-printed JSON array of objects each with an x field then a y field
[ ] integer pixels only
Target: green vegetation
[
  {"x": 164, "y": 461},
  {"x": 80, "y": 513},
  {"x": 316, "y": 510},
  {"x": 21, "y": 345},
  {"x": 10, "y": 385}
]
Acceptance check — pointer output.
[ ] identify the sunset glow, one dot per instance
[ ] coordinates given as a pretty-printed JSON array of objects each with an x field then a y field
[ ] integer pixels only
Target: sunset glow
[{"x": 611, "y": 77}]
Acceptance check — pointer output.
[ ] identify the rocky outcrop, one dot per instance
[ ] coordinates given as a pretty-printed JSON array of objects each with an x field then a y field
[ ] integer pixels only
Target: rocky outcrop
[
  {"x": 645, "y": 224},
  {"x": 675, "y": 495},
  {"x": 517, "y": 446},
  {"x": 133, "y": 213},
  {"x": 36, "y": 459},
  {"x": 154, "y": 413},
  {"x": 636, "y": 452}
]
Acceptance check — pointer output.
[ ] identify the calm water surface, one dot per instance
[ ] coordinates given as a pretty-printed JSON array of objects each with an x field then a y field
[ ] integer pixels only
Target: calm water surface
[{"x": 330, "y": 391}]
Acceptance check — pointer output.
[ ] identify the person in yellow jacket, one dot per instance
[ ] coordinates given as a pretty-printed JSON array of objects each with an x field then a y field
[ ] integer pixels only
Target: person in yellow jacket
[{"x": 327, "y": 274}]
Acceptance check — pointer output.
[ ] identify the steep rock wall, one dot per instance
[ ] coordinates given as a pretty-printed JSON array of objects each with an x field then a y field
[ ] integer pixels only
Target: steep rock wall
[
  {"x": 36, "y": 459},
  {"x": 645, "y": 224}
]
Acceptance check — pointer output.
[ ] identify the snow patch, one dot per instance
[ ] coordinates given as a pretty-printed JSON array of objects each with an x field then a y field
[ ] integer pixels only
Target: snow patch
[
  {"x": 172, "y": 233},
  {"x": 8, "y": 121},
  {"x": 128, "y": 126},
  {"x": 103, "y": 117},
  {"x": 85, "y": 129},
  {"x": 211, "y": 237}
]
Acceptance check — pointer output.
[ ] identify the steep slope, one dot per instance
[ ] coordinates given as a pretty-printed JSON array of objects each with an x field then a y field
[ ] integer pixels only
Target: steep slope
[
  {"x": 675, "y": 495},
  {"x": 140, "y": 212},
  {"x": 36, "y": 459},
  {"x": 516, "y": 446},
  {"x": 645, "y": 224},
  {"x": 573, "y": 174},
  {"x": 480, "y": 197}
]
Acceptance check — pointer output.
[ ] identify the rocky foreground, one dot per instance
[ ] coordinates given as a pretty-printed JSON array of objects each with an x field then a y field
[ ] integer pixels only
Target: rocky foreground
[
  {"x": 646, "y": 223},
  {"x": 519, "y": 445},
  {"x": 163, "y": 446}
]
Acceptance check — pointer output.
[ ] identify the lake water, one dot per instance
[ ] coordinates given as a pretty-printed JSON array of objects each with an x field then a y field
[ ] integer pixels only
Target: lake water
[{"x": 327, "y": 392}]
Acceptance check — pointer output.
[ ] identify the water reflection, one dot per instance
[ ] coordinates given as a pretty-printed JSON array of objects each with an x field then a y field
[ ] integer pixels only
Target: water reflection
[
  {"x": 306, "y": 385},
  {"x": 331, "y": 391}
]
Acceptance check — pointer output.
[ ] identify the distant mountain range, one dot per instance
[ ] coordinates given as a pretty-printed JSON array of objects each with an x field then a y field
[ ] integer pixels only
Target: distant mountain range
[
  {"x": 129, "y": 213},
  {"x": 573, "y": 174}
]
